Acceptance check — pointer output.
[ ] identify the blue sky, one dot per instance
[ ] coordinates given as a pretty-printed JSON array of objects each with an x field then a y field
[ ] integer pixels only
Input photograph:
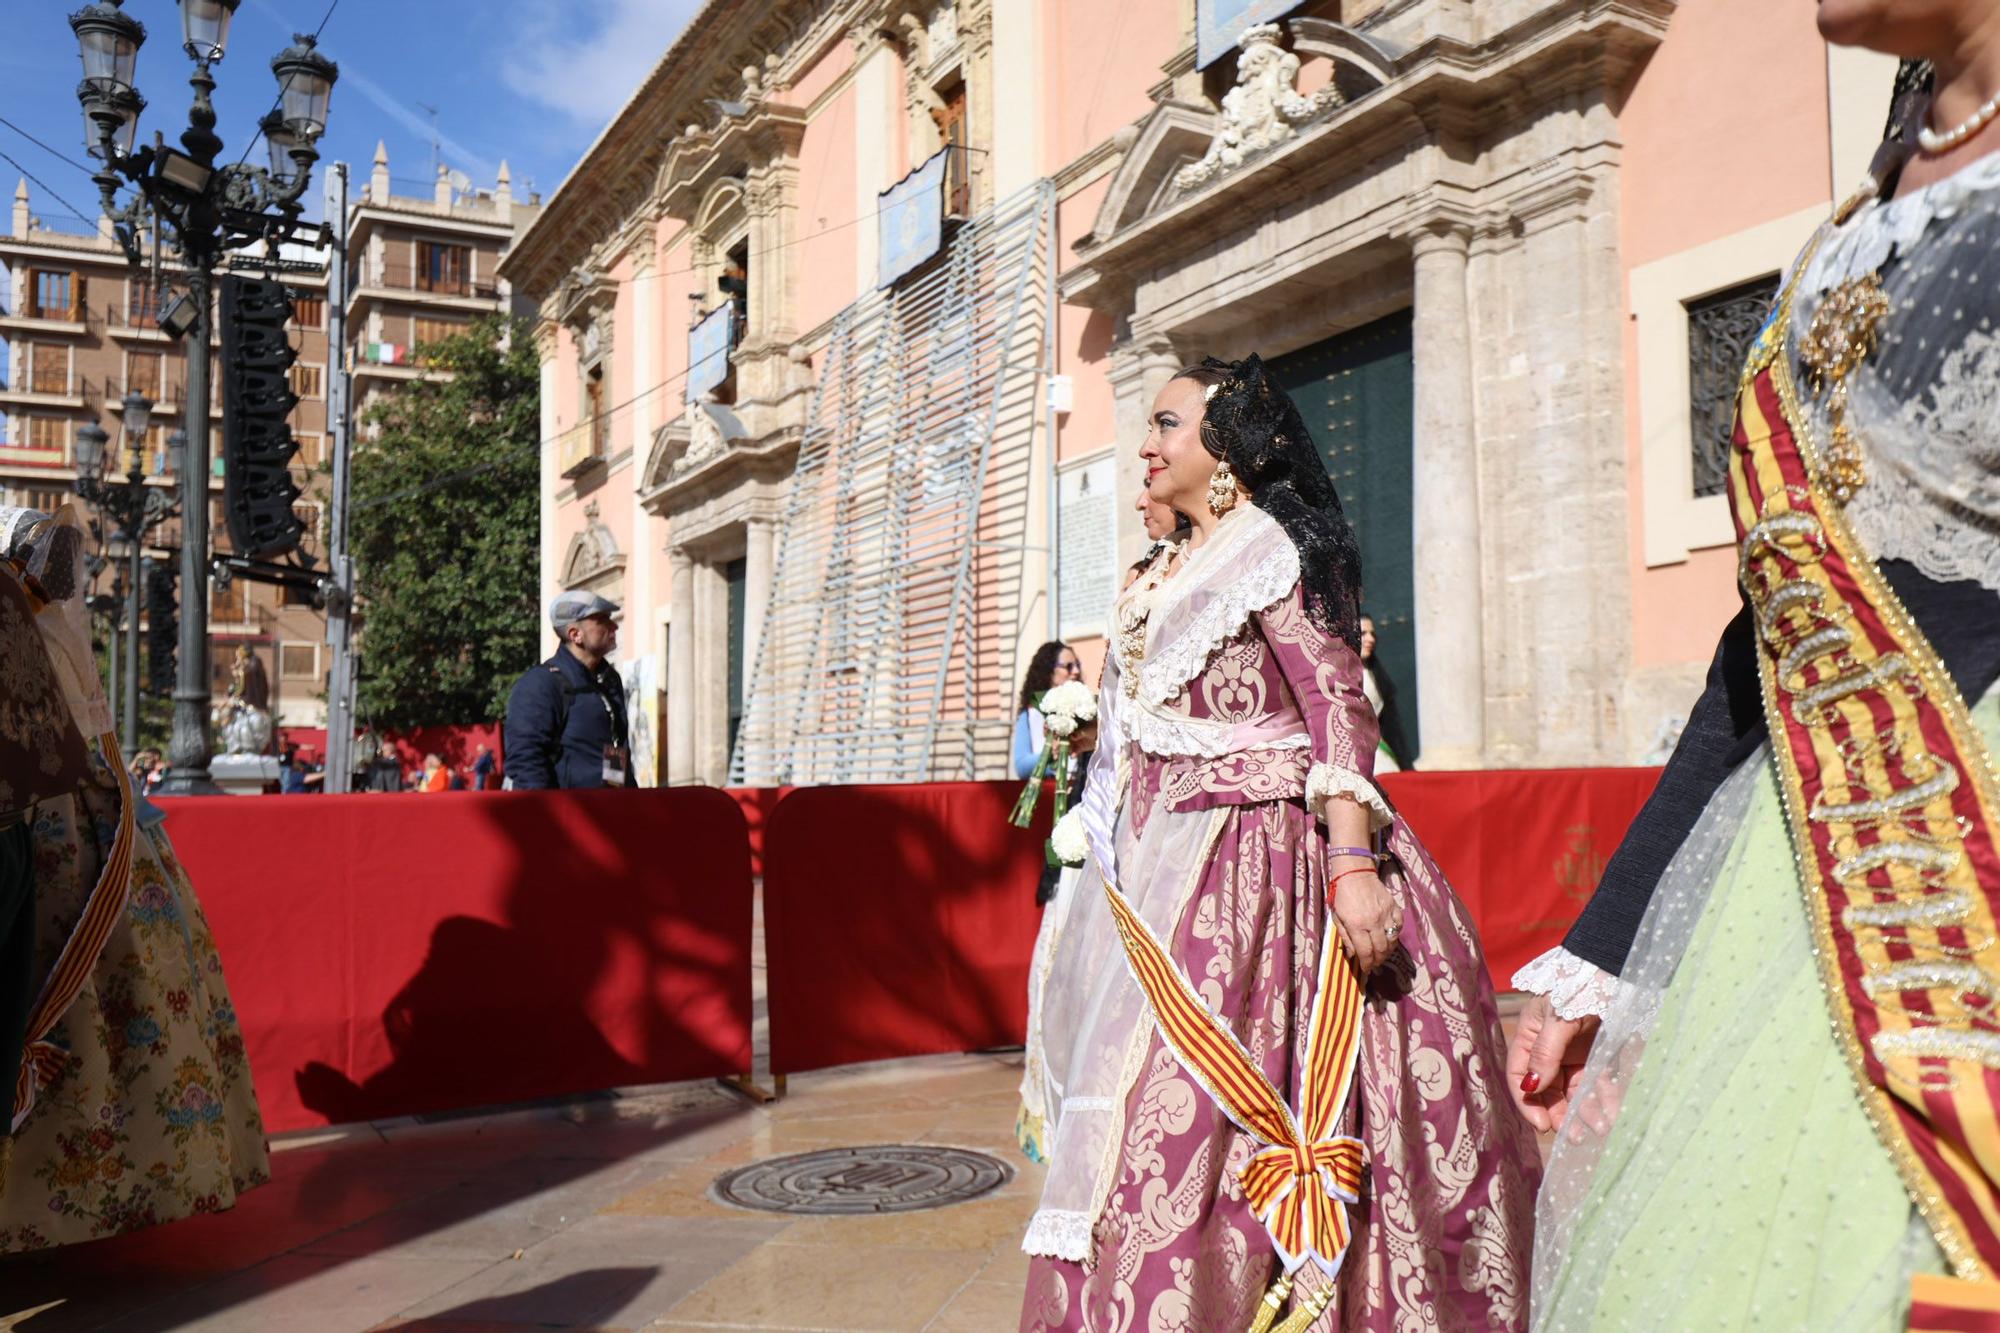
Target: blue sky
[{"x": 530, "y": 81}]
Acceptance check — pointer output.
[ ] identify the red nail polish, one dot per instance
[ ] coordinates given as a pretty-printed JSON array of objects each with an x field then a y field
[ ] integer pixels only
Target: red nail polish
[{"x": 1530, "y": 1081}]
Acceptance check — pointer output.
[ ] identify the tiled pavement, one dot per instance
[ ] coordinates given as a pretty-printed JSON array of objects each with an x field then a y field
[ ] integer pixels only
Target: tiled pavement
[{"x": 593, "y": 1215}]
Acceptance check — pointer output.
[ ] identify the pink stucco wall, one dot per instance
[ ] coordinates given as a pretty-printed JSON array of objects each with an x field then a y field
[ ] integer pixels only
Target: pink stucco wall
[
  {"x": 1083, "y": 342},
  {"x": 834, "y": 61},
  {"x": 826, "y": 210},
  {"x": 1101, "y": 57},
  {"x": 1725, "y": 128}
]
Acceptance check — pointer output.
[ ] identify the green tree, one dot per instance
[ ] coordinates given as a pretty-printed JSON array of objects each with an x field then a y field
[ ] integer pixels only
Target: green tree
[{"x": 444, "y": 532}]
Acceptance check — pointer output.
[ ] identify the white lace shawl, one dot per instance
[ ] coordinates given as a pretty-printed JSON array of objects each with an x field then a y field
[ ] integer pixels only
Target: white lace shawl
[
  {"x": 1925, "y": 404},
  {"x": 1246, "y": 565}
]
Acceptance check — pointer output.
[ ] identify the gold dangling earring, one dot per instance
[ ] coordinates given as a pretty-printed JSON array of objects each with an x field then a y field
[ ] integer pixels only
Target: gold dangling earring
[{"x": 1222, "y": 492}]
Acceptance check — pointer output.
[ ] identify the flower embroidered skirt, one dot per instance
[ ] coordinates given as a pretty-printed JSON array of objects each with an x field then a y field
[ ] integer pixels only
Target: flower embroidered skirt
[
  {"x": 1443, "y": 1234},
  {"x": 152, "y": 1117}
]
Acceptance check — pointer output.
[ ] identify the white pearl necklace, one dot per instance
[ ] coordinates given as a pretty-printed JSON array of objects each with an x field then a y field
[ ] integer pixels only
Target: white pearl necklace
[{"x": 1934, "y": 143}]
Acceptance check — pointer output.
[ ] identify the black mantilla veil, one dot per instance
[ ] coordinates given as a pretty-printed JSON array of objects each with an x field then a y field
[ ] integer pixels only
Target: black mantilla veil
[{"x": 1252, "y": 423}]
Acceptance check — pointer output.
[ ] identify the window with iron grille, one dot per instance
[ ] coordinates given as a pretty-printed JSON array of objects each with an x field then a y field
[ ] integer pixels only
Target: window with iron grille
[
  {"x": 1721, "y": 328},
  {"x": 142, "y": 305},
  {"x": 308, "y": 312},
  {"x": 298, "y": 661},
  {"x": 145, "y": 373},
  {"x": 443, "y": 268},
  {"x": 951, "y": 123},
  {"x": 48, "y": 368},
  {"x": 48, "y": 433},
  {"x": 57, "y": 295},
  {"x": 308, "y": 381}
]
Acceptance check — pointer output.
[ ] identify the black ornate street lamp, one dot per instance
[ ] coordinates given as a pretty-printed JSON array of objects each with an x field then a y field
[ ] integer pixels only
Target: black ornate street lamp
[
  {"x": 203, "y": 212},
  {"x": 130, "y": 509}
]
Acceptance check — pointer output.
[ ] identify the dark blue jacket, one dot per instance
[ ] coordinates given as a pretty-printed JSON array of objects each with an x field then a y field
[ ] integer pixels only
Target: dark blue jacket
[{"x": 560, "y": 716}]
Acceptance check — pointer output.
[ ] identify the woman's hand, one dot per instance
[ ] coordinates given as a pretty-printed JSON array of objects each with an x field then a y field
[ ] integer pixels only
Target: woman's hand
[
  {"x": 1544, "y": 1060},
  {"x": 1368, "y": 917},
  {"x": 1084, "y": 739}
]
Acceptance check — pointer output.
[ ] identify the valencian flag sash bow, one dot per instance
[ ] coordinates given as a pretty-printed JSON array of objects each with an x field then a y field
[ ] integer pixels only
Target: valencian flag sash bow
[
  {"x": 1891, "y": 799},
  {"x": 1301, "y": 1182}
]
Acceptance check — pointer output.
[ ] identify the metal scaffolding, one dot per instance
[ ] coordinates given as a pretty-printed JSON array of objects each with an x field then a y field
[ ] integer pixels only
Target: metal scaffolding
[{"x": 890, "y": 645}]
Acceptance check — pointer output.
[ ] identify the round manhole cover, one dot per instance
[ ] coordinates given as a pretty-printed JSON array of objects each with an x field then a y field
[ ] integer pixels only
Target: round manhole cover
[{"x": 890, "y": 1178}]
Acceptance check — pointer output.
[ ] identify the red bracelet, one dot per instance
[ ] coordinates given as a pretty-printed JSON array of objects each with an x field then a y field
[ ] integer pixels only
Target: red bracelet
[{"x": 1333, "y": 885}]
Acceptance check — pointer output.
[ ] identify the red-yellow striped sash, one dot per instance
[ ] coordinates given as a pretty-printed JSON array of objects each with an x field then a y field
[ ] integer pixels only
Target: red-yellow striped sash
[
  {"x": 1297, "y": 1183},
  {"x": 42, "y": 1060},
  {"x": 1894, "y": 808}
]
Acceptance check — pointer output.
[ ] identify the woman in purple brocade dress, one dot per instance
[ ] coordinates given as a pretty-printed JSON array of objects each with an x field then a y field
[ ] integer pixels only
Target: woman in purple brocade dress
[{"x": 1241, "y": 788}]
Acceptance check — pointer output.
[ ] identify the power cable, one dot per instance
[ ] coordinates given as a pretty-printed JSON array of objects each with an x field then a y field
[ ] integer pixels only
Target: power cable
[
  {"x": 52, "y": 152},
  {"x": 44, "y": 186}
]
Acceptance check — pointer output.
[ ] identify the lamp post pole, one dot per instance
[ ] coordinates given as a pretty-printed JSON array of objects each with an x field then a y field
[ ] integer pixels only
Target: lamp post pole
[
  {"x": 135, "y": 480},
  {"x": 188, "y": 751},
  {"x": 208, "y": 211}
]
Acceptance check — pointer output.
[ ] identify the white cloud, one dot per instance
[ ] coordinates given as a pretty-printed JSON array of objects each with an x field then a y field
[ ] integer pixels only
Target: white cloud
[
  {"x": 586, "y": 61},
  {"x": 403, "y": 113}
]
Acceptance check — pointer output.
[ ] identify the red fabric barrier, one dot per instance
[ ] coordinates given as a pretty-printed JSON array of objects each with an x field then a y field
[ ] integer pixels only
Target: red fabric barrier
[
  {"x": 392, "y": 957},
  {"x": 757, "y": 803},
  {"x": 898, "y": 920},
  {"x": 1524, "y": 848}
]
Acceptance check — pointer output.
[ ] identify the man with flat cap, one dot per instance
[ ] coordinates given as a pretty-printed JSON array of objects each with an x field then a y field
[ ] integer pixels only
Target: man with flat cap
[{"x": 566, "y": 717}]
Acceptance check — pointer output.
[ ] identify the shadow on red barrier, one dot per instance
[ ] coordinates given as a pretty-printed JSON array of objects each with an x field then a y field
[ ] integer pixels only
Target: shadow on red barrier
[
  {"x": 899, "y": 920},
  {"x": 403, "y": 957}
]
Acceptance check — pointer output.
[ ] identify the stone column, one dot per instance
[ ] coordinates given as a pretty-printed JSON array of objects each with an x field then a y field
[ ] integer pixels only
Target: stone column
[
  {"x": 640, "y": 596},
  {"x": 1140, "y": 368},
  {"x": 547, "y": 345},
  {"x": 680, "y": 672},
  {"x": 711, "y": 675},
  {"x": 1445, "y": 504},
  {"x": 759, "y": 559}
]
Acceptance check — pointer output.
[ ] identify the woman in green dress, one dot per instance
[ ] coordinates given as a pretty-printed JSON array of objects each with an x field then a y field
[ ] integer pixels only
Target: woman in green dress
[{"x": 1768, "y": 1045}]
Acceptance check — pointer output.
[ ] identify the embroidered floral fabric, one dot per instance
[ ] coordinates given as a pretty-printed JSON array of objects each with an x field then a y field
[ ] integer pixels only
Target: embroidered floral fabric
[{"x": 153, "y": 1116}]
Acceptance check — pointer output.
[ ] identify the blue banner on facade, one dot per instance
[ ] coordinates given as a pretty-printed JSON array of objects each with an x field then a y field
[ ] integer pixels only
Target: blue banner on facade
[
  {"x": 1219, "y": 24},
  {"x": 911, "y": 220},
  {"x": 709, "y": 343}
]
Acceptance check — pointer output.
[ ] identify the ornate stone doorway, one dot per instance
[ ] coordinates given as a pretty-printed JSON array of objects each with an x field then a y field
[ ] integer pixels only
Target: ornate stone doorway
[{"x": 1355, "y": 392}]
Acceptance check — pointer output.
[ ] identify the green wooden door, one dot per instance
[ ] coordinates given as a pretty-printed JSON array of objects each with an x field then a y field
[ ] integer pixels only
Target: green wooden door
[
  {"x": 1354, "y": 391},
  {"x": 736, "y": 575}
]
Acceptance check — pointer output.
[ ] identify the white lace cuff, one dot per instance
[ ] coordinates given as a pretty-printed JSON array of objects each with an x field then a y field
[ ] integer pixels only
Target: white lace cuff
[
  {"x": 1576, "y": 989},
  {"x": 1325, "y": 783}
]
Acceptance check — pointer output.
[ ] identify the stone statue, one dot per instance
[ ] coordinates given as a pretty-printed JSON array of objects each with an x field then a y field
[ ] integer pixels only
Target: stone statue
[
  {"x": 243, "y": 719},
  {"x": 1261, "y": 111}
]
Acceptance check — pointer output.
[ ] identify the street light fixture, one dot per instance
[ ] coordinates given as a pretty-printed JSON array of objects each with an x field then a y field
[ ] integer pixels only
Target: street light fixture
[
  {"x": 205, "y": 28},
  {"x": 110, "y": 40},
  {"x": 207, "y": 211},
  {"x": 89, "y": 447},
  {"x": 137, "y": 415}
]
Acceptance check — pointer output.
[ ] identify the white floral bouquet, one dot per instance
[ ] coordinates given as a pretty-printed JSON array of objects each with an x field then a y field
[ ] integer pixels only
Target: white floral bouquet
[
  {"x": 1068, "y": 843},
  {"x": 1064, "y": 709}
]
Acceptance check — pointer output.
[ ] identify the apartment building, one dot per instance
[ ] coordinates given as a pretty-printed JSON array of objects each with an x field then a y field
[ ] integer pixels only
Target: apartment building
[
  {"x": 79, "y": 328},
  {"x": 421, "y": 268}
]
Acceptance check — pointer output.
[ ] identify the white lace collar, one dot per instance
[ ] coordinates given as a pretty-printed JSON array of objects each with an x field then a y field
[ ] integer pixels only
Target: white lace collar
[
  {"x": 1882, "y": 229},
  {"x": 1246, "y": 565}
]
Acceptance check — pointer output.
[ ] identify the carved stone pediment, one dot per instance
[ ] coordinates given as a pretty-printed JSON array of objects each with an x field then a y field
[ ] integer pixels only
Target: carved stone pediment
[
  {"x": 593, "y": 555},
  {"x": 689, "y": 444},
  {"x": 1171, "y": 136},
  {"x": 584, "y": 297}
]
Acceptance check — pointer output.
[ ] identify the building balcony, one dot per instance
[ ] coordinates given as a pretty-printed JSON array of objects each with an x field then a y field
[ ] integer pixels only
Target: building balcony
[
  {"x": 471, "y": 297},
  {"x": 72, "y": 400},
  {"x": 80, "y": 322}
]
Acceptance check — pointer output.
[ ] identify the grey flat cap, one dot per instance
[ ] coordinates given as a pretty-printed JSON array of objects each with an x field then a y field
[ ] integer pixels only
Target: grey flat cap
[{"x": 575, "y": 605}]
